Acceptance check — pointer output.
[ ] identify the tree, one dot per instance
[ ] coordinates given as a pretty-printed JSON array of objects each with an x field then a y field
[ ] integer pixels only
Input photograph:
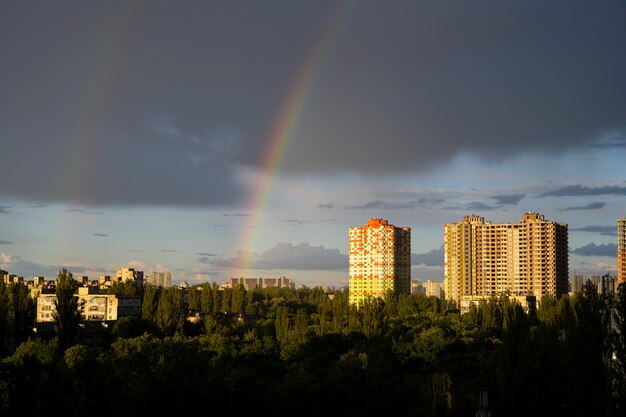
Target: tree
[
  {"x": 67, "y": 314},
  {"x": 171, "y": 311},
  {"x": 194, "y": 298},
  {"x": 439, "y": 397},
  {"x": 238, "y": 299},
  {"x": 4, "y": 314},
  {"x": 150, "y": 302},
  {"x": 23, "y": 312}
]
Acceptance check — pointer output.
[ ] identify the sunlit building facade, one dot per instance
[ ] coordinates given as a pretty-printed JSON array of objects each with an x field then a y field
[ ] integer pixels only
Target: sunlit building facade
[
  {"x": 621, "y": 250},
  {"x": 529, "y": 258},
  {"x": 379, "y": 260}
]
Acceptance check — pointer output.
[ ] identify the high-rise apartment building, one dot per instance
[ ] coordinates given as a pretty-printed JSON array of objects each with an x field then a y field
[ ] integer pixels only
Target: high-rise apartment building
[
  {"x": 160, "y": 279},
  {"x": 526, "y": 258},
  {"x": 379, "y": 260},
  {"x": 621, "y": 250}
]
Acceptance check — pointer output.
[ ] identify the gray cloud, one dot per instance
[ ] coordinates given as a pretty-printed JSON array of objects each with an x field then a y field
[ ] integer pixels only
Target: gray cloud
[
  {"x": 603, "y": 230},
  {"x": 100, "y": 234},
  {"x": 326, "y": 206},
  {"x": 205, "y": 254},
  {"x": 590, "y": 206},
  {"x": 430, "y": 258},
  {"x": 581, "y": 190},
  {"x": 508, "y": 199},
  {"x": 302, "y": 256},
  {"x": 592, "y": 249},
  {"x": 236, "y": 215},
  {"x": 82, "y": 211},
  {"x": 427, "y": 203},
  {"x": 297, "y": 222},
  {"x": 169, "y": 250},
  {"x": 21, "y": 267},
  {"x": 5, "y": 209},
  {"x": 5, "y": 242},
  {"x": 479, "y": 206},
  {"x": 193, "y": 93}
]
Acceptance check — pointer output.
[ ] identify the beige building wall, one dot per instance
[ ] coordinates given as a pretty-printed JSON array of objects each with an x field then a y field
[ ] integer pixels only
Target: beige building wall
[
  {"x": 379, "y": 260},
  {"x": 94, "y": 306},
  {"x": 525, "y": 258},
  {"x": 621, "y": 250}
]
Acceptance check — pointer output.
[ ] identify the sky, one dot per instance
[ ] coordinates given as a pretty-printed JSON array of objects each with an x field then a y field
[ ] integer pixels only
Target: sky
[{"x": 217, "y": 139}]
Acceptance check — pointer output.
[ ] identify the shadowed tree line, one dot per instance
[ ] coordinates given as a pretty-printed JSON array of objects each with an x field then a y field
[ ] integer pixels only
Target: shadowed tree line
[{"x": 298, "y": 352}]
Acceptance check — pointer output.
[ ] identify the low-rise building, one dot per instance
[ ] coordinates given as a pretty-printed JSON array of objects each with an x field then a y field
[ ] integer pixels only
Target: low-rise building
[{"x": 93, "y": 305}]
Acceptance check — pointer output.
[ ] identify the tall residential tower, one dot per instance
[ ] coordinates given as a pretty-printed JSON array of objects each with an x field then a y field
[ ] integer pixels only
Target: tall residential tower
[
  {"x": 621, "y": 250},
  {"x": 482, "y": 259},
  {"x": 380, "y": 260}
]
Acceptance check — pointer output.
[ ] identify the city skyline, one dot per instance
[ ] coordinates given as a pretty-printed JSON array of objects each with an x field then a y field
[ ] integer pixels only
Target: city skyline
[{"x": 242, "y": 139}]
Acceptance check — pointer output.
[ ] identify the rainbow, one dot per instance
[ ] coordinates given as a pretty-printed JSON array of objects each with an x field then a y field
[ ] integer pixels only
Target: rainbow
[
  {"x": 106, "y": 71},
  {"x": 283, "y": 130}
]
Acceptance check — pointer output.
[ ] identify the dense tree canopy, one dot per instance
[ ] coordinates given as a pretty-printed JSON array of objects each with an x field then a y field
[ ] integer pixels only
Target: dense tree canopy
[{"x": 299, "y": 352}]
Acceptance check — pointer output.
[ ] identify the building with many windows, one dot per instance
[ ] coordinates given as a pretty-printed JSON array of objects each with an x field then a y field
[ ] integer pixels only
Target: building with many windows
[
  {"x": 93, "y": 305},
  {"x": 481, "y": 259},
  {"x": 379, "y": 260},
  {"x": 250, "y": 284},
  {"x": 621, "y": 250},
  {"x": 160, "y": 279}
]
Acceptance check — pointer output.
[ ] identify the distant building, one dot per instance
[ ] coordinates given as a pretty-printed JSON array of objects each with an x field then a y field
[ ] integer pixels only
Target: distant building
[
  {"x": 160, "y": 279},
  {"x": 528, "y": 302},
  {"x": 251, "y": 283},
  {"x": 379, "y": 260},
  {"x": 525, "y": 258},
  {"x": 433, "y": 289},
  {"x": 576, "y": 284},
  {"x": 417, "y": 288},
  {"x": 621, "y": 250},
  {"x": 129, "y": 274}
]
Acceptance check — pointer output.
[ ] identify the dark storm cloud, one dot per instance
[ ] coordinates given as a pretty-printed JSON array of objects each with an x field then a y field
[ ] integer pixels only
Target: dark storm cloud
[
  {"x": 436, "y": 79},
  {"x": 590, "y": 206},
  {"x": 5, "y": 209},
  {"x": 592, "y": 249},
  {"x": 302, "y": 256},
  {"x": 205, "y": 254},
  {"x": 111, "y": 105},
  {"x": 431, "y": 258},
  {"x": 100, "y": 234},
  {"x": 5, "y": 242},
  {"x": 581, "y": 190},
  {"x": 508, "y": 199},
  {"x": 603, "y": 230}
]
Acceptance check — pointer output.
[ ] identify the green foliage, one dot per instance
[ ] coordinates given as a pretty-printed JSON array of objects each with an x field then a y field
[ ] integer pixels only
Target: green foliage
[
  {"x": 129, "y": 327},
  {"x": 127, "y": 288},
  {"x": 150, "y": 302},
  {"x": 285, "y": 349},
  {"x": 4, "y": 314},
  {"x": 23, "y": 312},
  {"x": 171, "y": 312},
  {"x": 67, "y": 314}
]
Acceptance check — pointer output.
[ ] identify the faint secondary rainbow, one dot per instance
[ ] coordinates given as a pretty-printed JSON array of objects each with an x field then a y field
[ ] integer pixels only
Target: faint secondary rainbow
[
  {"x": 283, "y": 130},
  {"x": 105, "y": 72}
]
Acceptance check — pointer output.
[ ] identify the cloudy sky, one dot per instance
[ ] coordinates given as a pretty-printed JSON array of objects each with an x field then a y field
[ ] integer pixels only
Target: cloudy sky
[{"x": 225, "y": 138}]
